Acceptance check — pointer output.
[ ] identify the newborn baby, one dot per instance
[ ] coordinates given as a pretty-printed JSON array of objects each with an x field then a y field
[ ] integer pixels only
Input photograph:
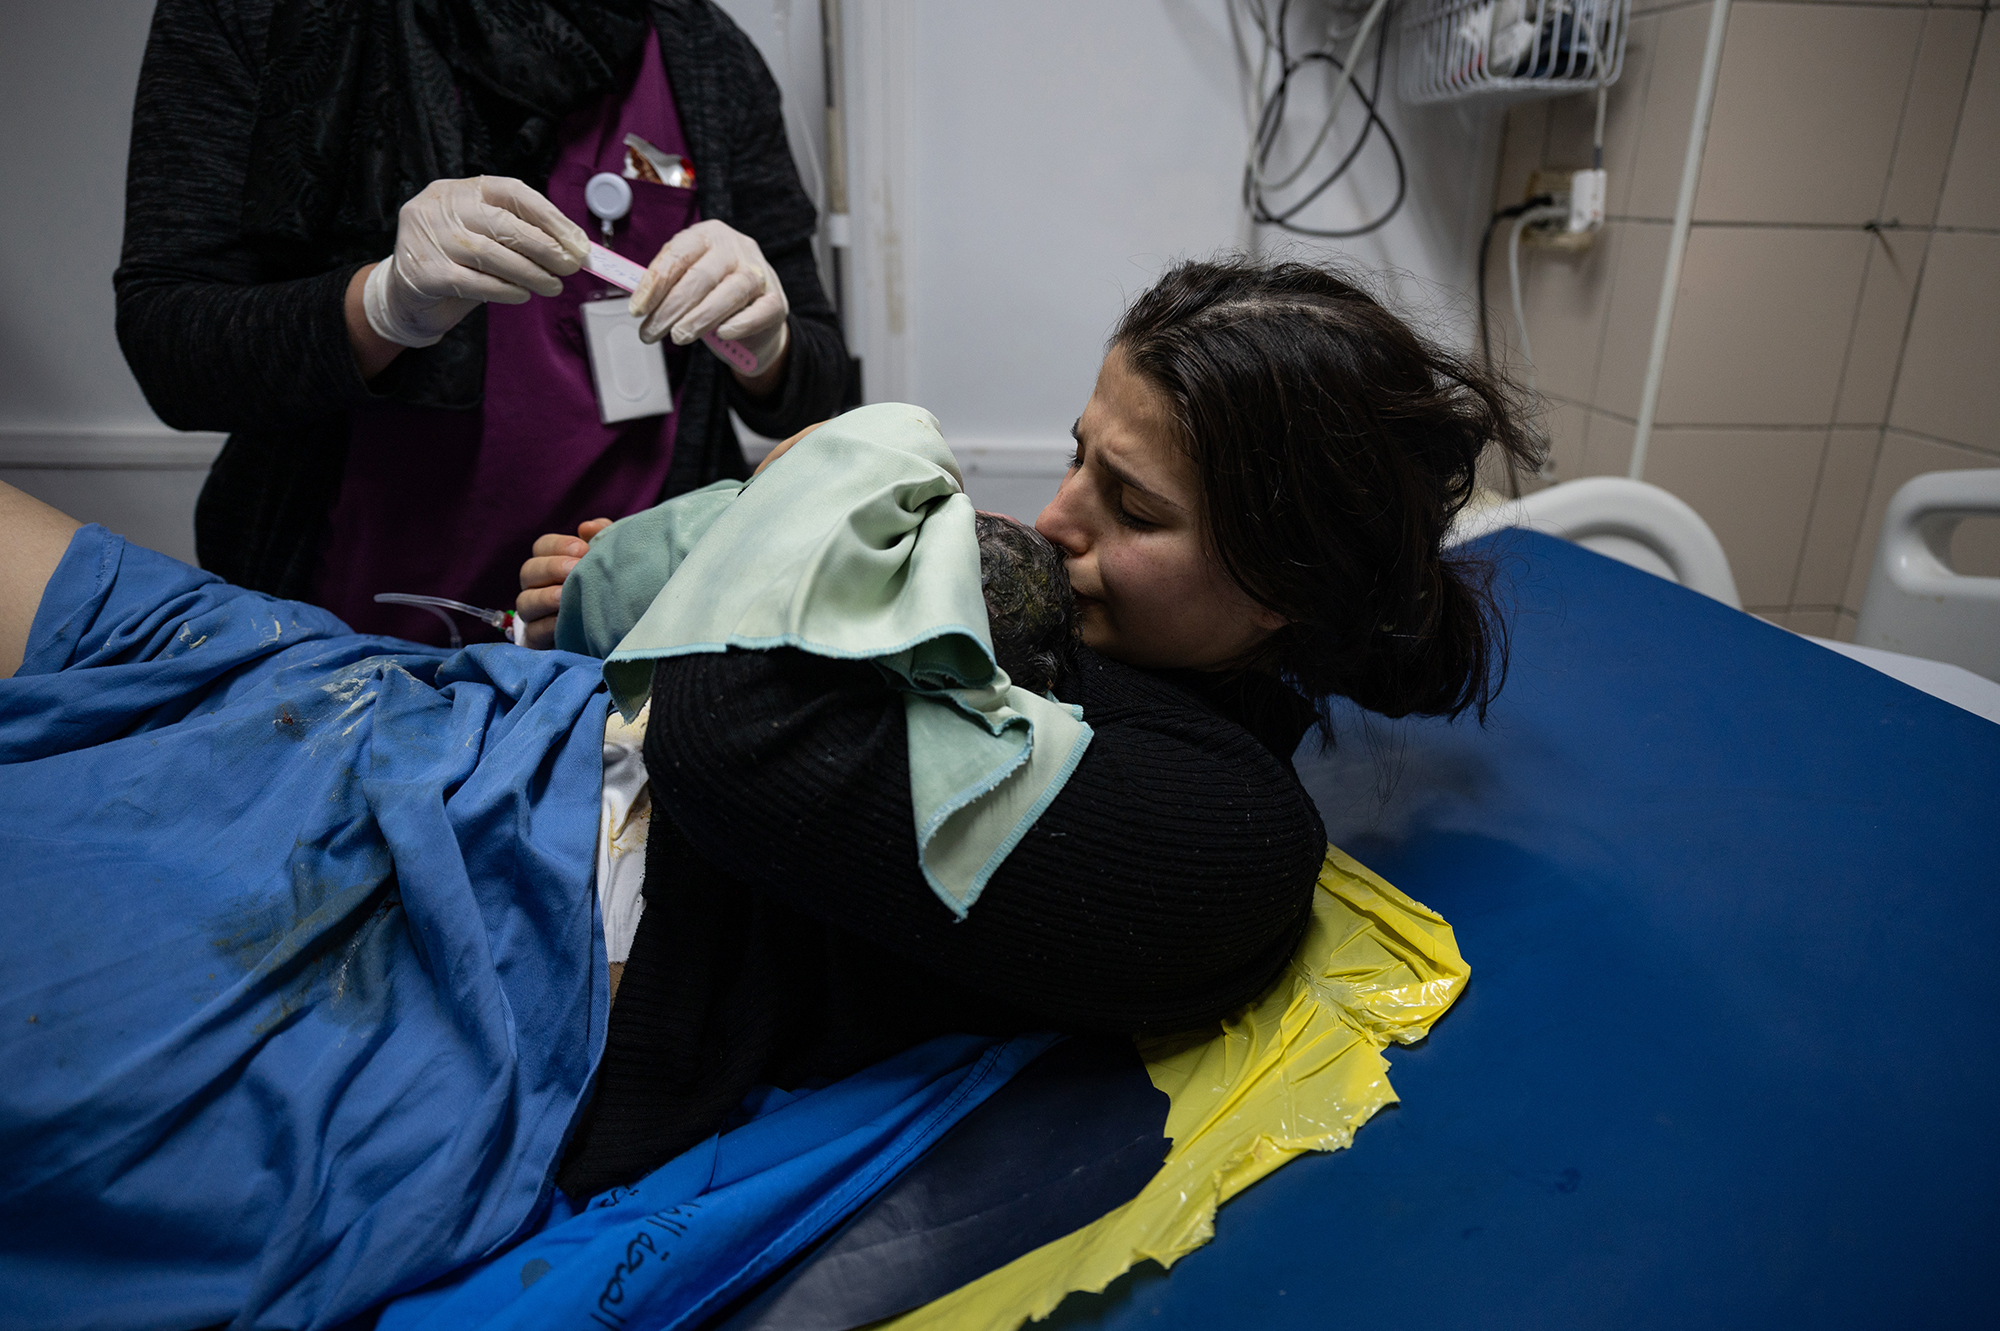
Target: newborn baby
[
  {"x": 1031, "y": 615},
  {"x": 861, "y": 546},
  {"x": 1029, "y": 608}
]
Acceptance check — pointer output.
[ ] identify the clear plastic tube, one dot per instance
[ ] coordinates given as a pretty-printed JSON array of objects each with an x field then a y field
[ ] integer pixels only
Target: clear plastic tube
[{"x": 504, "y": 620}]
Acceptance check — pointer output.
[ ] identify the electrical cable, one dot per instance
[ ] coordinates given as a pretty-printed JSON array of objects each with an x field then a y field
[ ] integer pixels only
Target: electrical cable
[
  {"x": 1267, "y": 115},
  {"x": 1250, "y": 82},
  {"x": 1259, "y": 105},
  {"x": 1261, "y": 211},
  {"x": 1485, "y": 244},
  {"x": 1272, "y": 122},
  {"x": 1485, "y": 333},
  {"x": 1597, "y": 138},
  {"x": 1338, "y": 99},
  {"x": 1522, "y": 223}
]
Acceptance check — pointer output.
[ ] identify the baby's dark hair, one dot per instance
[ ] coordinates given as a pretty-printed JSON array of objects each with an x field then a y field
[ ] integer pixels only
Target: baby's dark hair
[
  {"x": 1029, "y": 608},
  {"x": 1334, "y": 446}
]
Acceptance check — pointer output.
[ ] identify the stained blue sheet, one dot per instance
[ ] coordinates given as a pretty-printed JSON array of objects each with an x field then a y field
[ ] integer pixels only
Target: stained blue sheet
[
  {"x": 690, "y": 1237},
  {"x": 1731, "y": 1050},
  {"x": 300, "y": 983}
]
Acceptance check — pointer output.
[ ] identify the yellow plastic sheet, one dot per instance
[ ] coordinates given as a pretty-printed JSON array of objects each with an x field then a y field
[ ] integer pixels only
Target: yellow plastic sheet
[{"x": 1298, "y": 1070}]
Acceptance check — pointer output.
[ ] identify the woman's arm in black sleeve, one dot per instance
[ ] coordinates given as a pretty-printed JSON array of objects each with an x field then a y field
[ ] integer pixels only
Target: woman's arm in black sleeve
[
  {"x": 1164, "y": 886},
  {"x": 772, "y": 208},
  {"x": 214, "y": 343}
]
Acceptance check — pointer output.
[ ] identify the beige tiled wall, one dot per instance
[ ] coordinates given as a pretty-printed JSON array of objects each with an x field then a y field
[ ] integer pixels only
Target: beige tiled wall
[{"x": 1837, "y": 325}]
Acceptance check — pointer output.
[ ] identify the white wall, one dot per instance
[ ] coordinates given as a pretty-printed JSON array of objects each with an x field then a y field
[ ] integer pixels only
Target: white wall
[
  {"x": 1051, "y": 159},
  {"x": 74, "y": 429},
  {"x": 67, "y": 74},
  {"x": 787, "y": 34},
  {"x": 1019, "y": 171}
]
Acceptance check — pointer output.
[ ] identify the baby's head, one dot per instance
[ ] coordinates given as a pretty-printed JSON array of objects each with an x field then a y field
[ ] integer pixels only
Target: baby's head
[{"x": 1029, "y": 609}]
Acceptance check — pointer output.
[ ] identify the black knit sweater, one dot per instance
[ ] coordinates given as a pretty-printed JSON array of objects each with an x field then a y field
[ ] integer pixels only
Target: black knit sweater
[
  {"x": 789, "y": 936},
  {"x": 224, "y": 333}
]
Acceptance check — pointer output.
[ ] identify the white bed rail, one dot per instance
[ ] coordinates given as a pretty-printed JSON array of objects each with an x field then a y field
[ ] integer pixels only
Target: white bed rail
[{"x": 1916, "y": 603}]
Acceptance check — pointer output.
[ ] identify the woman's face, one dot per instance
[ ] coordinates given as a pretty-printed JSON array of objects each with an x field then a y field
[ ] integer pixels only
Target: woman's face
[{"x": 1128, "y": 516}]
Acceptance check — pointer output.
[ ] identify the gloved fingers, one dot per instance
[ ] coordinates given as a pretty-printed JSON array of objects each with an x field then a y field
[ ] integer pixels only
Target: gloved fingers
[
  {"x": 688, "y": 291},
  {"x": 664, "y": 274},
  {"x": 551, "y": 262},
  {"x": 492, "y": 224},
  {"x": 438, "y": 257},
  {"x": 470, "y": 249},
  {"x": 484, "y": 268},
  {"x": 424, "y": 280},
  {"x": 533, "y": 210},
  {"x": 760, "y": 316},
  {"x": 681, "y": 282},
  {"x": 460, "y": 242},
  {"x": 736, "y": 291},
  {"x": 458, "y": 282}
]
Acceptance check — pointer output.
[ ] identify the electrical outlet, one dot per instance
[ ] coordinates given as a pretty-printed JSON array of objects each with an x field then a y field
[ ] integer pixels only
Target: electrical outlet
[
  {"x": 1581, "y": 192},
  {"x": 1586, "y": 200},
  {"x": 1551, "y": 182}
]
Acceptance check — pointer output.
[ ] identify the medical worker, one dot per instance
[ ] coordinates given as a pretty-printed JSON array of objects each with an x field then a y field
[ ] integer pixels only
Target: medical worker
[{"x": 353, "y": 234}]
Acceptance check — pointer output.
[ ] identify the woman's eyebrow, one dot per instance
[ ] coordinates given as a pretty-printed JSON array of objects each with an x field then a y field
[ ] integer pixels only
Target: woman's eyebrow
[
  {"x": 1125, "y": 478},
  {"x": 1122, "y": 476}
]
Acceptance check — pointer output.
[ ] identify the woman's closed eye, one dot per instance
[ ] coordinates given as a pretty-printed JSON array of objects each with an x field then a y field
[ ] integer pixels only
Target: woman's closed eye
[{"x": 1127, "y": 518}]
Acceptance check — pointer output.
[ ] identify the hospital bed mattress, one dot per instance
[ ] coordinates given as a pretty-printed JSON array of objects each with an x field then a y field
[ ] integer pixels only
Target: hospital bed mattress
[{"x": 1731, "y": 1048}]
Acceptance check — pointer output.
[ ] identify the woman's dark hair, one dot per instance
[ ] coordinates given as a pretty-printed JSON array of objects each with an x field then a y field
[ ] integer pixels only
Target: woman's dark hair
[
  {"x": 1030, "y": 610},
  {"x": 1334, "y": 447}
]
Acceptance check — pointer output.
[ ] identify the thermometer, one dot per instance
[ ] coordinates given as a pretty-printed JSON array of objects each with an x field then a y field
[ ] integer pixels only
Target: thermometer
[{"x": 622, "y": 273}]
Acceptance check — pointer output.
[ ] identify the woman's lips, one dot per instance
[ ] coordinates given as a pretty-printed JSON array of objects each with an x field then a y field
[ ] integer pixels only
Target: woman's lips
[{"x": 1084, "y": 600}]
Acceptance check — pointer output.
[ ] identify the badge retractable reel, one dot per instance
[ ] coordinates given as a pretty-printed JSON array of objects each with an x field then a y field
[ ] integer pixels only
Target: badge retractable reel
[
  {"x": 609, "y": 198},
  {"x": 630, "y": 377}
]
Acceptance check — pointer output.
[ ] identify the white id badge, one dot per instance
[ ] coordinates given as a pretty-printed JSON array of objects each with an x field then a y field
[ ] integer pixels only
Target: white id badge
[{"x": 631, "y": 377}]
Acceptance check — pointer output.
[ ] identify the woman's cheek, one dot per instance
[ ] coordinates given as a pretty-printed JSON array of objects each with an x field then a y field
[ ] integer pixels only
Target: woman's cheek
[
  {"x": 1094, "y": 627},
  {"x": 1173, "y": 582}
]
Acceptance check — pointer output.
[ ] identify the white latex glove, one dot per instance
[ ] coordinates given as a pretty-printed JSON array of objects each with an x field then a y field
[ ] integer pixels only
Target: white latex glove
[
  {"x": 713, "y": 278},
  {"x": 460, "y": 242}
]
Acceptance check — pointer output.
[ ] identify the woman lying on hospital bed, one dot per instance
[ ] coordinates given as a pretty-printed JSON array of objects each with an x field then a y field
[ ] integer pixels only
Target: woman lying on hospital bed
[{"x": 304, "y": 991}]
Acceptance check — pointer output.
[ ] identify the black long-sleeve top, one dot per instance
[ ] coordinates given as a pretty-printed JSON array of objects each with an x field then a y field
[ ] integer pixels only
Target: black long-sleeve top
[
  {"x": 226, "y": 333},
  {"x": 789, "y": 936}
]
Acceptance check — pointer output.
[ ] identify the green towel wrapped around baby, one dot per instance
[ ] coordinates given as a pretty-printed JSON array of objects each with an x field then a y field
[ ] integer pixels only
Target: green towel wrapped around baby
[{"x": 858, "y": 544}]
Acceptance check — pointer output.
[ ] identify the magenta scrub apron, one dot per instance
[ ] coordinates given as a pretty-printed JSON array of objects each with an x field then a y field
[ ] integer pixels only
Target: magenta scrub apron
[{"x": 448, "y": 503}]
